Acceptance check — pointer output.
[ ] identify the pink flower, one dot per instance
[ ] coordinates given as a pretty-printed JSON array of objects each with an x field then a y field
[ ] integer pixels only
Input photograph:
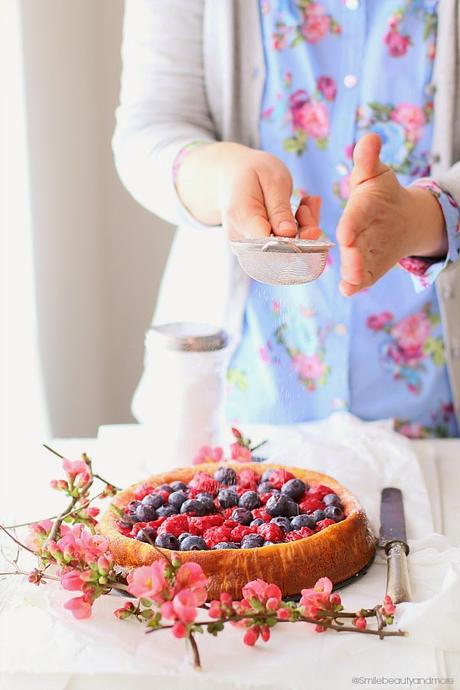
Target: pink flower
[
  {"x": 414, "y": 265},
  {"x": 150, "y": 581},
  {"x": 308, "y": 366},
  {"x": 79, "y": 607},
  {"x": 378, "y": 321},
  {"x": 74, "y": 467},
  {"x": 310, "y": 117},
  {"x": 183, "y": 607},
  {"x": 268, "y": 595},
  {"x": 240, "y": 453},
  {"x": 412, "y": 332},
  {"x": 388, "y": 607},
  {"x": 191, "y": 577},
  {"x": 397, "y": 43},
  {"x": 360, "y": 622},
  {"x": 179, "y": 630},
  {"x": 316, "y": 23},
  {"x": 71, "y": 580},
  {"x": 77, "y": 543},
  {"x": 208, "y": 454},
  {"x": 412, "y": 118},
  {"x": 251, "y": 635},
  {"x": 327, "y": 86},
  {"x": 319, "y": 598},
  {"x": 412, "y": 430}
]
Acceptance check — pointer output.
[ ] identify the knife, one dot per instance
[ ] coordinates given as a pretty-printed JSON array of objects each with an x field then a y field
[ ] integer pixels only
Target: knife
[{"x": 394, "y": 542}]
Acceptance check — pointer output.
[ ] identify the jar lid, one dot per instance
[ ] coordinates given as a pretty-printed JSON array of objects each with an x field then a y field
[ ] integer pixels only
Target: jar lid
[{"x": 190, "y": 336}]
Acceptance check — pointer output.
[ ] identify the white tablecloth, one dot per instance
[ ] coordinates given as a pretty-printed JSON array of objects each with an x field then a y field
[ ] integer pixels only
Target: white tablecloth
[{"x": 42, "y": 647}]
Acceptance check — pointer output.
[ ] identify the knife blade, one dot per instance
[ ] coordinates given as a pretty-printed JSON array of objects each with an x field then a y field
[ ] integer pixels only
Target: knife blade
[{"x": 393, "y": 540}]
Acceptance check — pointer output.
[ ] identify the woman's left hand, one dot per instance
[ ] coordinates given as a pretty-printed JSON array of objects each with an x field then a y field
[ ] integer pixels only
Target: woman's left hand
[{"x": 384, "y": 222}]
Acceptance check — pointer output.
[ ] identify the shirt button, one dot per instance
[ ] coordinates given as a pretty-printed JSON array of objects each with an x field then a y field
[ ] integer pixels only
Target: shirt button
[
  {"x": 350, "y": 80},
  {"x": 341, "y": 168},
  {"x": 352, "y": 4}
]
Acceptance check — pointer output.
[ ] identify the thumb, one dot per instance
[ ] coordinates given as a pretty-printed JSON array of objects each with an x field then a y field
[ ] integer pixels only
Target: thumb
[
  {"x": 366, "y": 159},
  {"x": 279, "y": 211}
]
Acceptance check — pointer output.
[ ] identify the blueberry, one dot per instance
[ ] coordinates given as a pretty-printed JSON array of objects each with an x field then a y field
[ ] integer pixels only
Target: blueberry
[
  {"x": 331, "y": 500},
  {"x": 226, "y": 545},
  {"x": 228, "y": 498},
  {"x": 266, "y": 476},
  {"x": 167, "y": 541},
  {"x": 252, "y": 541},
  {"x": 178, "y": 486},
  {"x": 176, "y": 499},
  {"x": 256, "y": 522},
  {"x": 146, "y": 535},
  {"x": 153, "y": 500},
  {"x": 208, "y": 502},
  {"x": 264, "y": 488},
  {"x": 166, "y": 511},
  {"x": 242, "y": 515},
  {"x": 193, "y": 543},
  {"x": 293, "y": 508},
  {"x": 193, "y": 507},
  {"x": 278, "y": 504},
  {"x": 294, "y": 488},
  {"x": 333, "y": 513},
  {"x": 300, "y": 521},
  {"x": 165, "y": 487},
  {"x": 132, "y": 505},
  {"x": 183, "y": 536},
  {"x": 249, "y": 500},
  {"x": 317, "y": 515},
  {"x": 145, "y": 513},
  {"x": 127, "y": 520},
  {"x": 282, "y": 522},
  {"x": 225, "y": 475}
]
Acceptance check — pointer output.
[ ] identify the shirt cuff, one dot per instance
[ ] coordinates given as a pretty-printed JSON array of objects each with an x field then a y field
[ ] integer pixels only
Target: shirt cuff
[{"x": 424, "y": 271}]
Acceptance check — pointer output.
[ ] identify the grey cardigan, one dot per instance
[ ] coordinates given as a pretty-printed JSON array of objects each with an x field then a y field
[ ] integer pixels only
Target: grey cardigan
[{"x": 194, "y": 69}]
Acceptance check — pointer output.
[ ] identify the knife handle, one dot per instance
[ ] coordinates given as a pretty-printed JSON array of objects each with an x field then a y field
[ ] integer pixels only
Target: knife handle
[{"x": 398, "y": 585}]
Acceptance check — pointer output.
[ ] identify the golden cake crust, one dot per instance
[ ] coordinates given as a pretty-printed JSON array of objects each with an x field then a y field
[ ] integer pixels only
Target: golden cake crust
[{"x": 338, "y": 552}]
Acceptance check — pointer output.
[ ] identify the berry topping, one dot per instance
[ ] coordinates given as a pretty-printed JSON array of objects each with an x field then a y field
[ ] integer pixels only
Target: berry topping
[
  {"x": 280, "y": 477},
  {"x": 294, "y": 488},
  {"x": 271, "y": 532},
  {"x": 177, "y": 498},
  {"x": 225, "y": 475},
  {"x": 142, "y": 490},
  {"x": 214, "y": 535},
  {"x": 208, "y": 501},
  {"x": 297, "y": 534},
  {"x": 145, "y": 513},
  {"x": 322, "y": 524},
  {"x": 262, "y": 514},
  {"x": 165, "y": 487},
  {"x": 238, "y": 533},
  {"x": 198, "y": 525},
  {"x": 167, "y": 541},
  {"x": 319, "y": 491},
  {"x": 166, "y": 511},
  {"x": 333, "y": 513},
  {"x": 258, "y": 521},
  {"x": 183, "y": 536},
  {"x": 178, "y": 486},
  {"x": 227, "y": 498},
  {"x": 282, "y": 522},
  {"x": 193, "y": 543},
  {"x": 248, "y": 478},
  {"x": 252, "y": 541},
  {"x": 265, "y": 488},
  {"x": 193, "y": 507},
  {"x": 279, "y": 504},
  {"x": 249, "y": 500},
  {"x": 266, "y": 476},
  {"x": 318, "y": 515},
  {"x": 331, "y": 500},
  {"x": 153, "y": 500},
  {"x": 226, "y": 545},
  {"x": 310, "y": 504},
  {"x": 242, "y": 515},
  {"x": 302, "y": 521},
  {"x": 204, "y": 482},
  {"x": 175, "y": 525},
  {"x": 146, "y": 534}
]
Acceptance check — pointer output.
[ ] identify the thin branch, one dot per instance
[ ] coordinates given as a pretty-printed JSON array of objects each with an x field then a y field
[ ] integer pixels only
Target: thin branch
[
  {"x": 53, "y": 451},
  {"x": 195, "y": 652},
  {"x": 54, "y": 517},
  {"x": 16, "y": 541},
  {"x": 98, "y": 476}
]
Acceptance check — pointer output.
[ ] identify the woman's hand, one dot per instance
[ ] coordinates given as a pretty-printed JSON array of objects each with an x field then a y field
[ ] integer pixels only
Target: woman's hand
[
  {"x": 384, "y": 222},
  {"x": 246, "y": 191}
]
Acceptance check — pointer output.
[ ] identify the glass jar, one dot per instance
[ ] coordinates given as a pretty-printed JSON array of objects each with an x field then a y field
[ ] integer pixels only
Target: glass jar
[{"x": 180, "y": 398}]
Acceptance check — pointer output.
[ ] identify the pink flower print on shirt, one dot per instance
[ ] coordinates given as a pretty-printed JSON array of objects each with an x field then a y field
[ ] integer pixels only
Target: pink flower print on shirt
[
  {"x": 379, "y": 321},
  {"x": 308, "y": 366},
  {"x": 327, "y": 87},
  {"x": 410, "y": 335},
  {"x": 412, "y": 118},
  {"x": 397, "y": 43},
  {"x": 316, "y": 23}
]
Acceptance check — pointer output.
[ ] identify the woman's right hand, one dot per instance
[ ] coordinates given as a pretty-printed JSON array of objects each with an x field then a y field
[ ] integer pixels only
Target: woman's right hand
[{"x": 246, "y": 191}]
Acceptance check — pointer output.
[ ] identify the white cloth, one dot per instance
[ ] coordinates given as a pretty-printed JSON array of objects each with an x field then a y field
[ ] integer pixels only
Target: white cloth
[{"x": 38, "y": 636}]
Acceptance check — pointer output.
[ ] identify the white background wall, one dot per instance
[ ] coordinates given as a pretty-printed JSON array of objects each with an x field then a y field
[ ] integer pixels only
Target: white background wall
[{"x": 99, "y": 255}]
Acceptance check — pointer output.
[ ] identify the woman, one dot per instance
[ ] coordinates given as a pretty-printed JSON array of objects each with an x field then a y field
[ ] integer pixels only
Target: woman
[{"x": 230, "y": 111}]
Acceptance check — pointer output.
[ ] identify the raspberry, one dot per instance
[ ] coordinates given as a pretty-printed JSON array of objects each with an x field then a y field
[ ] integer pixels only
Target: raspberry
[
  {"x": 280, "y": 477},
  {"x": 138, "y": 526},
  {"x": 262, "y": 514},
  {"x": 215, "y": 535},
  {"x": 271, "y": 532},
  {"x": 248, "y": 478},
  {"x": 205, "y": 485},
  {"x": 198, "y": 525},
  {"x": 164, "y": 495},
  {"x": 299, "y": 534},
  {"x": 231, "y": 524},
  {"x": 175, "y": 525},
  {"x": 142, "y": 490},
  {"x": 240, "y": 490},
  {"x": 310, "y": 505},
  {"x": 322, "y": 524},
  {"x": 124, "y": 530},
  {"x": 264, "y": 497},
  {"x": 227, "y": 512},
  {"x": 241, "y": 531},
  {"x": 319, "y": 491}
]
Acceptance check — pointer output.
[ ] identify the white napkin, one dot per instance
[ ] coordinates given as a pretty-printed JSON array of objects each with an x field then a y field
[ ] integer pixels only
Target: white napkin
[{"x": 38, "y": 636}]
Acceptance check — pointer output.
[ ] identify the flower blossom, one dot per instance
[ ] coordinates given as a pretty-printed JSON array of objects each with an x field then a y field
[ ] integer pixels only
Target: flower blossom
[
  {"x": 269, "y": 595},
  {"x": 319, "y": 599},
  {"x": 208, "y": 454},
  {"x": 150, "y": 581}
]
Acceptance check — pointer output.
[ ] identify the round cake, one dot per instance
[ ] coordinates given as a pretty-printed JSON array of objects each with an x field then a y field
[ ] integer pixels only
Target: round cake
[{"x": 240, "y": 522}]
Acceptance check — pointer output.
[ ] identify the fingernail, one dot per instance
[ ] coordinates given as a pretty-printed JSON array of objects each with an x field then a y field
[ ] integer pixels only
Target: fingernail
[{"x": 287, "y": 225}]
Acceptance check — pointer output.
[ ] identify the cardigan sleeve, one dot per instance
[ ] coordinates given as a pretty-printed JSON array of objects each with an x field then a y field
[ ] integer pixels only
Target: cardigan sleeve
[{"x": 163, "y": 105}]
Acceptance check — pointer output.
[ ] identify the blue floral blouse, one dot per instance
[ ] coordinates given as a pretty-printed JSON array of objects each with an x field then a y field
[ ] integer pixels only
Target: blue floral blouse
[{"x": 335, "y": 70}]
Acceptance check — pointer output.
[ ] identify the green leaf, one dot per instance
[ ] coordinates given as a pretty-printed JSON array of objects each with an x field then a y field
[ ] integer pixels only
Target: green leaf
[
  {"x": 434, "y": 348},
  {"x": 215, "y": 628},
  {"x": 145, "y": 602},
  {"x": 293, "y": 145},
  {"x": 322, "y": 143},
  {"x": 382, "y": 112},
  {"x": 147, "y": 614},
  {"x": 297, "y": 41}
]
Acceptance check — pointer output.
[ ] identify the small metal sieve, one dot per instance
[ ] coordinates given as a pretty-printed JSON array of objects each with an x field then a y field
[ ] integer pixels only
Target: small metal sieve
[{"x": 282, "y": 260}]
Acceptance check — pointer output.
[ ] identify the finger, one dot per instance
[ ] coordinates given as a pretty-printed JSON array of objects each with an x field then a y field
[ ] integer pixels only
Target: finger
[
  {"x": 351, "y": 266},
  {"x": 314, "y": 204},
  {"x": 309, "y": 232},
  {"x": 278, "y": 204},
  {"x": 246, "y": 227},
  {"x": 356, "y": 217},
  {"x": 348, "y": 290},
  {"x": 307, "y": 216},
  {"x": 366, "y": 159}
]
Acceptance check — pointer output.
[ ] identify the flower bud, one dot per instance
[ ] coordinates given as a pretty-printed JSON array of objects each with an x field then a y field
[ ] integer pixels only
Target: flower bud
[
  {"x": 251, "y": 635},
  {"x": 284, "y": 614},
  {"x": 360, "y": 623},
  {"x": 265, "y": 633},
  {"x": 103, "y": 565}
]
